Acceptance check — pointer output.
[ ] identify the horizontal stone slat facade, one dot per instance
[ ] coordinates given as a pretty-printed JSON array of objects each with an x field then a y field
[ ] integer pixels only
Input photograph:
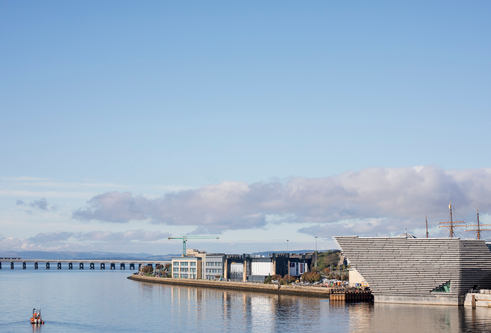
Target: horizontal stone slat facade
[{"x": 400, "y": 266}]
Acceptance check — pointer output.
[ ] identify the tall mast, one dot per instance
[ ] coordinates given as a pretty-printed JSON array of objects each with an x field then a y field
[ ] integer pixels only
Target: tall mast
[
  {"x": 451, "y": 220},
  {"x": 478, "y": 226},
  {"x": 452, "y": 224},
  {"x": 426, "y": 218}
]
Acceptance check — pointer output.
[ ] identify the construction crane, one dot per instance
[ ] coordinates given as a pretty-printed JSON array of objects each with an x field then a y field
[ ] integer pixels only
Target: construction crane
[{"x": 185, "y": 239}]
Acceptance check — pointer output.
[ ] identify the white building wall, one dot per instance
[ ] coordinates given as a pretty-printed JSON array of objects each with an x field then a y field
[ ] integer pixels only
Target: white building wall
[
  {"x": 293, "y": 268},
  {"x": 302, "y": 268},
  {"x": 356, "y": 278},
  {"x": 262, "y": 268}
]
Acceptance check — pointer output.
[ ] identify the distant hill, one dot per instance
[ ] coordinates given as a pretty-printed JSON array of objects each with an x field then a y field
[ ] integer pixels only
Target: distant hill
[{"x": 67, "y": 255}]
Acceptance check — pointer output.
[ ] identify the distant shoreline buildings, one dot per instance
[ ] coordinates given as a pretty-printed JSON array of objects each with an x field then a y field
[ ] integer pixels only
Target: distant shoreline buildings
[{"x": 239, "y": 267}]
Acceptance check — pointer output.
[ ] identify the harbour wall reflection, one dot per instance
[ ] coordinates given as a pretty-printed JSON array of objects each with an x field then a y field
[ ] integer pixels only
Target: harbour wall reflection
[{"x": 216, "y": 310}]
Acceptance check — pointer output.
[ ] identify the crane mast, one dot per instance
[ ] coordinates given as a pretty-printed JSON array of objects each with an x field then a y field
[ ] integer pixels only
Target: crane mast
[{"x": 185, "y": 239}]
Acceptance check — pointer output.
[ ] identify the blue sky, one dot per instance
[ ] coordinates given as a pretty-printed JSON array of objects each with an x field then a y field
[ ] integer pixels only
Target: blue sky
[{"x": 184, "y": 105}]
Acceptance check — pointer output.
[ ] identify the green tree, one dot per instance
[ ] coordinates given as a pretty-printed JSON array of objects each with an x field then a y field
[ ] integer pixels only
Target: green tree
[
  {"x": 147, "y": 269},
  {"x": 328, "y": 259}
]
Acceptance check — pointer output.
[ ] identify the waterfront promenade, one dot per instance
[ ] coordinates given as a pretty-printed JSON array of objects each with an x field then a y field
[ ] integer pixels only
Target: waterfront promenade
[{"x": 309, "y": 291}]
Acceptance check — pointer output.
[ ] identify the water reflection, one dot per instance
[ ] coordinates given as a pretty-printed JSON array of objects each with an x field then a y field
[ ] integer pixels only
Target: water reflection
[
  {"x": 219, "y": 310},
  {"x": 36, "y": 328},
  {"x": 252, "y": 312},
  {"x": 92, "y": 302},
  {"x": 417, "y": 318}
]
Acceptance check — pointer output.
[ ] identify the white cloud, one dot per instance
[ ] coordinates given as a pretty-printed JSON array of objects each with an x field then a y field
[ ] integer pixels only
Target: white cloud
[
  {"x": 50, "y": 241},
  {"x": 395, "y": 197},
  {"x": 45, "y": 194}
]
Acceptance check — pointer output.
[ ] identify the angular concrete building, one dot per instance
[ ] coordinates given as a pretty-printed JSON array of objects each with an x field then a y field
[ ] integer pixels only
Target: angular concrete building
[{"x": 405, "y": 269}]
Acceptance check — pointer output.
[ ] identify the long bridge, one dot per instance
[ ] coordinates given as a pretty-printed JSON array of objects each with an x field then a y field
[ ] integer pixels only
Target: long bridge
[{"x": 81, "y": 263}]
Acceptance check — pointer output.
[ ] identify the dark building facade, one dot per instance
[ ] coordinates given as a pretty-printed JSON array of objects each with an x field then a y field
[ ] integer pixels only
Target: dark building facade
[{"x": 256, "y": 268}]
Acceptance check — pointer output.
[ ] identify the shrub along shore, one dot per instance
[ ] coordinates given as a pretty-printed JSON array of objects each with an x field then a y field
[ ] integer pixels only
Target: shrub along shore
[{"x": 311, "y": 291}]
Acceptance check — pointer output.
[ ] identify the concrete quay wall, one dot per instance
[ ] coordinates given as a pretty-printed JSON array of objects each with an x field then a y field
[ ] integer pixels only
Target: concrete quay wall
[
  {"x": 480, "y": 300},
  {"x": 242, "y": 286},
  {"x": 419, "y": 300}
]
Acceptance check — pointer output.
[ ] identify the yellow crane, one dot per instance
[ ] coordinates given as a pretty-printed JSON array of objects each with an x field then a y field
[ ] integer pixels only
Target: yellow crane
[{"x": 185, "y": 239}]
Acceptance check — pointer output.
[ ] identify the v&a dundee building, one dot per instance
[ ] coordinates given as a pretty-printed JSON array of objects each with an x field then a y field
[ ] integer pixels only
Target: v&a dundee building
[{"x": 405, "y": 269}]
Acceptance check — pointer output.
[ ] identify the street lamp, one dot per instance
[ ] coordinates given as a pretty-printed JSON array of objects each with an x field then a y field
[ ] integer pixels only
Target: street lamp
[
  {"x": 288, "y": 262},
  {"x": 316, "y": 253}
]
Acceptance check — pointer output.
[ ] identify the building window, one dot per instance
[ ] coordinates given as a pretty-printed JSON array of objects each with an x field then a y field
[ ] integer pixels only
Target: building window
[
  {"x": 184, "y": 263},
  {"x": 444, "y": 288},
  {"x": 193, "y": 264},
  {"x": 184, "y": 270}
]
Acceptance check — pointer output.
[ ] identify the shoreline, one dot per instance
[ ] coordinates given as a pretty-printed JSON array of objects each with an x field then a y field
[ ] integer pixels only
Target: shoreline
[{"x": 318, "y": 292}]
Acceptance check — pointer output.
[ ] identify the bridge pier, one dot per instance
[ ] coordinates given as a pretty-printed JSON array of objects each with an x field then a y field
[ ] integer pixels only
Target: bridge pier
[{"x": 81, "y": 266}]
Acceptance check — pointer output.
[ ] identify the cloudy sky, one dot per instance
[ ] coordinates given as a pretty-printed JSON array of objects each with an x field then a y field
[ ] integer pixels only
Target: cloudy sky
[{"x": 125, "y": 123}]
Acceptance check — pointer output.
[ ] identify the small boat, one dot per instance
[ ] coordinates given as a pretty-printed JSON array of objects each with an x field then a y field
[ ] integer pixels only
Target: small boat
[{"x": 36, "y": 317}]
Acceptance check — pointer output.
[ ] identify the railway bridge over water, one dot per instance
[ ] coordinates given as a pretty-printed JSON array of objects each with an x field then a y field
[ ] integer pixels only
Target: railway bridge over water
[{"x": 82, "y": 264}]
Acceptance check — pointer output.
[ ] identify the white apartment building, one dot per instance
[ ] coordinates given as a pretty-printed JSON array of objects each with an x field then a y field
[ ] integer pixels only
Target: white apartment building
[{"x": 186, "y": 267}]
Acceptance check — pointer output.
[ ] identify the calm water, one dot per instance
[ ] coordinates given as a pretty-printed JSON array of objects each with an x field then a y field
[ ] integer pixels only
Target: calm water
[{"x": 105, "y": 301}]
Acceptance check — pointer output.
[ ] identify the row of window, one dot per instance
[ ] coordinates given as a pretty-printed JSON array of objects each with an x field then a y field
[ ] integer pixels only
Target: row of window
[
  {"x": 213, "y": 263},
  {"x": 213, "y": 270},
  {"x": 184, "y": 269},
  {"x": 184, "y": 263},
  {"x": 192, "y": 275}
]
